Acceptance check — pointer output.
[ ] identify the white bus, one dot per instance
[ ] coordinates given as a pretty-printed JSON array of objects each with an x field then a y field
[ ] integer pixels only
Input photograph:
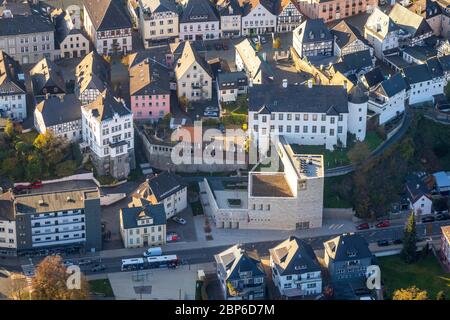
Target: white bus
[
  {"x": 132, "y": 264},
  {"x": 170, "y": 261}
]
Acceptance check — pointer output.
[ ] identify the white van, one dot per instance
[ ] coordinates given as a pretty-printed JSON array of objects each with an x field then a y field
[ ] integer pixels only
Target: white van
[{"x": 152, "y": 252}]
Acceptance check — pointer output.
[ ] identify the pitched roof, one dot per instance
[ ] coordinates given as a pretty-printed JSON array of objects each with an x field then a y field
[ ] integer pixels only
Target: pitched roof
[
  {"x": 417, "y": 73},
  {"x": 93, "y": 72},
  {"x": 313, "y": 30},
  {"x": 149, "y": 78},
  {"x": 235, "y": 260},
  {"x": 380, "y": 23},
  {"x": 319, "y": 98},
  {"x": 409, "y": 21},
  {"x": 355, "y": 61},
  {"x": 373, "y": 77},
  {"x": 345, "y": 34},
  {"x": 107, "y": 14},
  {"x": 46, "y": 73},
  {"x": 131, "y": 216},
  {"x": 349, "y": 246},
  {"x": 294, "y": 256},
  {"x": 421, "y": 53},
  {"x": 57, "y": 110},
  {"x": 280, "y": 5},
  {"x": 157, "y": 6},
  {"x": 358, "y": 94},
  {"x": 198, "y": 11},
  {"x": 6, "y": 206},
  {"x": 252, "y": 60},
  {"x": 231, "y": 80},
  {"x": 393, "y": 85},
  {"x": 11, "y": 75},
  {"x": 161, "y": 186},
  {"x": 25, "y": 21},
  {"x": 64, "y": 28},
  {"x": 105, "y": 106},
  {"x": 228, "y": 7},
  {"x": 187, "y": 58},
  {"x": 416, "y": 188}
]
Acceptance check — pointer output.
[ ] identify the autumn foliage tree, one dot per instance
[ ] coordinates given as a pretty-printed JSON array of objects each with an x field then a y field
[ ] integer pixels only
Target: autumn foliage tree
[
  {"x": 411, "y": 293},
  {"x": 51, "y": 282}
]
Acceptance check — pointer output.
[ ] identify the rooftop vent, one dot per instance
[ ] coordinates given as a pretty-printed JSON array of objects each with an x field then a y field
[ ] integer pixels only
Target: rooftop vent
[{"x": 41, "y": 202}]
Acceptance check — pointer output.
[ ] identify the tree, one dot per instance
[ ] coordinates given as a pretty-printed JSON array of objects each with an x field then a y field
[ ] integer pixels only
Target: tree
[
  {"x": 184, "y": 102},
  {"x": 359, "y": 153},
  {"x": 258, "y": 47},
  {"x": 52, "y": 148},
  {"x": 411, "y": 293},
  {"x": 277, "y": 43},
  {"x": 9, "y": 129},
  {"x": 51, "y": 279},
  {"x": 66, "y": 168},
  {"x": 441, "y": 295},
  {"x": 409, "y": 250},
  {"x": 33, "y": 169}
]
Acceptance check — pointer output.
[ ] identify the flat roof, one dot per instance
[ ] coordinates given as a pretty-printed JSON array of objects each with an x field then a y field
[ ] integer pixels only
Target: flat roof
[{"x": 270, "y": 185}]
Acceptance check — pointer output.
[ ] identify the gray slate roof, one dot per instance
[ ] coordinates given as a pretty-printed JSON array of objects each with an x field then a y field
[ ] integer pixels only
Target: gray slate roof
[
  {"x": 45, "y": 74},
  {"x": 331, "y": 100},
  {"x": 19, "y": 23},
  {"x": 349, "y": 246},
  {"x": 354, "y": 62},
  {"x": 235, "y": 260},
  {"x": 294, "y": 256},
  {"x": 393, "y": 85},
  {"x": 130, "y": 216},
  {"x": 345, "y": 34},
  {"x": 313, "y": 30},
  {"x": 416, "y": 188},
  {"x": 198, "y": 11},
  {"x": 232, "y": 80},
  {"x": 374, "y": 77},
  {"x": 56, "y": 110},
  {"x": 409, "y": 21},
  {"x": 105, "y": 106},
  {"x": 157, "y": 6},
  {"x": 416, "y": 74},
  {"x": 9, "y": 76},
  {"x": 107, "y": 14},
  {"x": 161, "y": 186}
]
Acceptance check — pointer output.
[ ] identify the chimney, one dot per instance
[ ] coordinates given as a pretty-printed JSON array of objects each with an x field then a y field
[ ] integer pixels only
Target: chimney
[
  {"x": 250, "y": 82},
  {"x": 285, "y": 83},
  {"x": 345, "y": 84},
  {"x": 310, "y": 83}
]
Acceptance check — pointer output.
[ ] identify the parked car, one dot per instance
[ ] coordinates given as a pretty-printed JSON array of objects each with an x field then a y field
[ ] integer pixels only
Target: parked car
[
  {"x": 211, "y": 114},
  {"x": 383, "y": 224},
  {"x": 67, "y": 263},
  {"x": 21, "y": 187},
  {"x": 179, "y": 220},
  {"x": 398, "y": 241},
  {"x": 383, "y": 243},
  {"x": 255, "y": 40},
  {"x": 36, "y": 185},
  {"x": 172, "y": 237},
  {"x": 84, "y": 262},
  {"x": 98, "y": 267},
  {"x": 212, "y": 109},
  {"x": 428, "y": 219},
  {"x": 152, "y": 252},
  {"x": 263, "y": 40},
  {"x": 443, "y": 216},
  {"x": 363, "y": 226}
]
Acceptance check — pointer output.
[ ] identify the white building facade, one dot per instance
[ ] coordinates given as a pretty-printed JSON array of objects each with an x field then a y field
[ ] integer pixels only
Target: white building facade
[{"x": 259, "y": 20}]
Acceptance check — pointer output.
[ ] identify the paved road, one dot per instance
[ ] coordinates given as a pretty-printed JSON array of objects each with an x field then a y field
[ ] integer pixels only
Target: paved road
[{"x": 206, "y": 254}]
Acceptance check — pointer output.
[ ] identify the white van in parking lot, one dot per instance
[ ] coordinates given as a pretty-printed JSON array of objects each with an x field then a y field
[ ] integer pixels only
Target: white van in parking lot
[{"x": 152, "y": 252}]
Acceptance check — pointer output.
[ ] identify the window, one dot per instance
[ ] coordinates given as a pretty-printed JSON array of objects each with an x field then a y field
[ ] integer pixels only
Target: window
[
  {"x": 305, "y": 117},
  {"x": 332, "y": 120},
  {"x": 280, "y": 116}
]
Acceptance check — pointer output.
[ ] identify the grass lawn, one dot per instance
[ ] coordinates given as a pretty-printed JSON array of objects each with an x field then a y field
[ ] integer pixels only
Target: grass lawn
[
  {"x": 373, "y": 140},
  {"x": 332, "y": 159},
  {"x": 101, "y": 286},
  {"x": 330, "y": 198},
  {"x": 426, "y": 274}
]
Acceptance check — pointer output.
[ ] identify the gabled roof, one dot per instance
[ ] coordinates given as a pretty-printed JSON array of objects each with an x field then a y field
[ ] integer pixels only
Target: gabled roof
[
  {"x": 252, "y": 60},
  {"x": 9, "y": 75},
  {"x": 131, "y": 216},
  {"x": 421, "y": 53},
  {"x": 416, "y": 188},
  {"x": 393, "y": 85},
  {"x": 445, "y": 63},
  {"x": 373, "y": 77},
  {"x": 294, "y": 256},
  {"x": 349, "y": 246},
  {"x": 313, "y": 30},
  {"x": 198, "y": 11},
  {"x": 345, "y": 34},
  {"x": 231, "y": 80},
  {"x": 416, "y": 74},
  {"x": 319, "y": 99},
  {"x": 228, "y": 7},
  {"x": 46, "y": 73},
  {"x": 149, "y": 78},
  {"x": 280, "y": 5},
  {"x": 409, "y": 21},
  {"x": 105, "y": 106},
  {"x": 64, "y": 28},
  {"x": 355, "y": 61},
  {"x": 235, "y": 260},
  {"x": 435, "y": 67},
  {"x": 107, "y": 14},
  {"x": 188, "y": 57},
  {"x": 380, "y": 23},
  {"x": 93, "y": 72},
  {"x": 161, "y": 186},
  {"x": 248, "y": 6},
  {"x": 56, "y": 110},
  {"x": 158, "y": 6}
]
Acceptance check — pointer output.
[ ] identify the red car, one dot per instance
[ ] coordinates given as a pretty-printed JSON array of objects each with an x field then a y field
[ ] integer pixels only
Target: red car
[
  {"x": 36, "y": 185},
  {"x": 363, "y": 226},
  {"x": 172, "y": 236},
  {"x": 383, "y": 224}
]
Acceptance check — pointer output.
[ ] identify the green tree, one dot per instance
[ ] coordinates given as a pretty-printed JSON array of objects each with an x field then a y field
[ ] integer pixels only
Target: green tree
[
  {"x": 52, "y": 148},
  {"x": 411, "y": 293},
  {"x": 66, "y": 168},
  {"x": 409, "y": 250},
  {"x": 9, "y": 129},
  {"x": 277, "y": 43},
  {"x": 358, "y": 153},
  {"x": 441, "y": 295},
  {"x": 33, "y": 169}
]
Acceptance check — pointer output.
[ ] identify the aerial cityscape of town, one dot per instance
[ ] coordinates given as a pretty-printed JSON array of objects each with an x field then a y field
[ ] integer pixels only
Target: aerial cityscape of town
[{"x": 225, "y": 150}]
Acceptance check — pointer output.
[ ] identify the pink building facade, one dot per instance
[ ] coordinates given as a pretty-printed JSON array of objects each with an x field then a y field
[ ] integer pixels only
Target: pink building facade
[
  {"x": 150, "y": 107},
  {"x": 335, "y": 9}
]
